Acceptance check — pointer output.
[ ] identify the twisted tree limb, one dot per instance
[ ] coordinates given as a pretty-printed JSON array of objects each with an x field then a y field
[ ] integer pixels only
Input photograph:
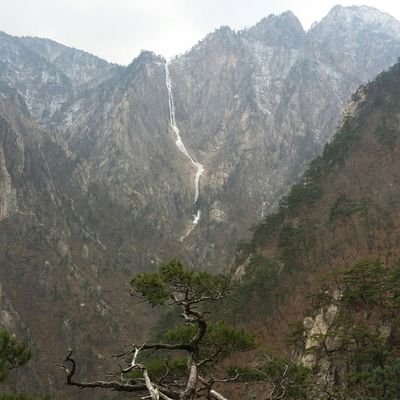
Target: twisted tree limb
[{"x": 135, "y": 385}]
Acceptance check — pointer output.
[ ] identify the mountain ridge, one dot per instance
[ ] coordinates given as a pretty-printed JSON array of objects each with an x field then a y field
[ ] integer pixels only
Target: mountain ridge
[
  {"x": 340, "y": 219},
  {"x": 106, "y": 192}
]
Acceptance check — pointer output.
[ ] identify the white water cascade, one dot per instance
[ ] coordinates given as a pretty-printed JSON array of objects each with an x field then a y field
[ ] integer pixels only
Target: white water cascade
[{"x": 182, "y": 149}]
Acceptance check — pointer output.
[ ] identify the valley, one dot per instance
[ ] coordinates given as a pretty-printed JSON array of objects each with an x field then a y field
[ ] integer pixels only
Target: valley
[{"x": 107, "y": 171}]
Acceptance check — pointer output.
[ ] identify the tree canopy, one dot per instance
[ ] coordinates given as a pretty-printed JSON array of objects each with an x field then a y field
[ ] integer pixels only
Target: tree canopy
[
  {"x": 186, "y": 365},
  {"x": 12, "y": 354}
]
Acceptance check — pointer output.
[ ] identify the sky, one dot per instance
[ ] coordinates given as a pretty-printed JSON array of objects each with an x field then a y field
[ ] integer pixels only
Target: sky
[{"x": 117, "y": 30}]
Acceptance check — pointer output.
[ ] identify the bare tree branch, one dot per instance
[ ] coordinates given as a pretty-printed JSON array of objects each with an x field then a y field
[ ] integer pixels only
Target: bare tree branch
[
  {"x": 216, "y": 395},
  {"x": 136, "y": 386},
  {"x": 173, "y": 285},
  {"x": 213, "y": 394}
]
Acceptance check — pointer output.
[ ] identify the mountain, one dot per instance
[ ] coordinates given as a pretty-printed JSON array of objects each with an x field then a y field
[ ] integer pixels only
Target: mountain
[
  {"x": 95, "y": 186},
  {"x": 59, "y": 287},
  {"x": 251, "y": 107},
  {"x": 254, "y": 107},
  {"x": 46, "y": 74},
  {"x": 80, "y": 67},
  {"x": 328, "y": 259}
]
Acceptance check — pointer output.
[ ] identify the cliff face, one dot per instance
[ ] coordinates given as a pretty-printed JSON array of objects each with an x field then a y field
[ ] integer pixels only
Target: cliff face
[
  {"x": 322, "y": 273},
  {"x": 343, "y": 212},
  {"x": 351, "y": 342},
  {"x": 79, "y": 67},
  {"x": 94, "y": 187},
  {"x": 59, "y": 285},
  {"x": 46, "y": 74},
  {"x": 257, "y": 104},
  {"x": 251, "y": 107}
]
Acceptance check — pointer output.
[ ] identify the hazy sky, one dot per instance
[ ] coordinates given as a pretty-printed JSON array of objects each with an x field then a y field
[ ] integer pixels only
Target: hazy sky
[{"x": 118, "y": 29}]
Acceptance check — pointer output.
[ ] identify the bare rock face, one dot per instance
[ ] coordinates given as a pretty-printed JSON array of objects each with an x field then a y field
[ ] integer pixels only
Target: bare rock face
[
  {"x": 256, "y": 105},
  {"x": 46, "y": 74},
  {"x": 340, "y": 214},
  {"x": 81, "y": 68},
  {"x": 59, "y": 287},
  {"x": 8, "y": 199},
  {"x": 93, "y": 186}
]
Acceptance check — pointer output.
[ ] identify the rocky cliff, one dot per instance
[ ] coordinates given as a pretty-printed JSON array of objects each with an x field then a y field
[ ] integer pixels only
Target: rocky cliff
[
  {"x": 94, "y": 186},
  {"x": 328, "y": 259},
  {"x": 59, "y": 287},
  {"x": 251, "y": 107}
]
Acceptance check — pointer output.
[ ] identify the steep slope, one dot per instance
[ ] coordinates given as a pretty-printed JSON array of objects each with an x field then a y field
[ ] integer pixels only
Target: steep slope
[
  {"x": 46, "y": 74},
  {"x": 130, "y": 167},
  {"x": 251, "y": 107},
  {"x": 354, "y": 25},
  {"x": 101, "y": 190},
  {"x": 43, "y": 88},
  {"x": 344, "y": 210},
  {"x": 255, "y": 105},
  {"x": 59, "y": 287},
  {"x": 80, "y": 67}
]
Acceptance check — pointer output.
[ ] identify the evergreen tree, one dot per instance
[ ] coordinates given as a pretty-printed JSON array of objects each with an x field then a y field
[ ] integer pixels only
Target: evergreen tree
[
  {"x": 186, "y": 365},
  {"x": 12, "y": 354}
]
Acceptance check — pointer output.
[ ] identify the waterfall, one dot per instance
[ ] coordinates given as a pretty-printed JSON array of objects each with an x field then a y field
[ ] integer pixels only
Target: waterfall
[{"x": 179, "y": 143}]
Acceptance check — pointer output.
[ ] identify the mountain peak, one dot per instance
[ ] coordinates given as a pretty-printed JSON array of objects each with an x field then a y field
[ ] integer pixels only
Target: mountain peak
[
  {"x": 365, "y": 15},
  {"x": 361, "y": 10},
  {"x": 146, "y": 56},
  {"x": 344, "y": 24},
  {"x": 222, "y": 37},
  {"x": 222, "y": 32},
  {"x": 146, "y": 61},
  {"x": 283, "y": 30}
]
